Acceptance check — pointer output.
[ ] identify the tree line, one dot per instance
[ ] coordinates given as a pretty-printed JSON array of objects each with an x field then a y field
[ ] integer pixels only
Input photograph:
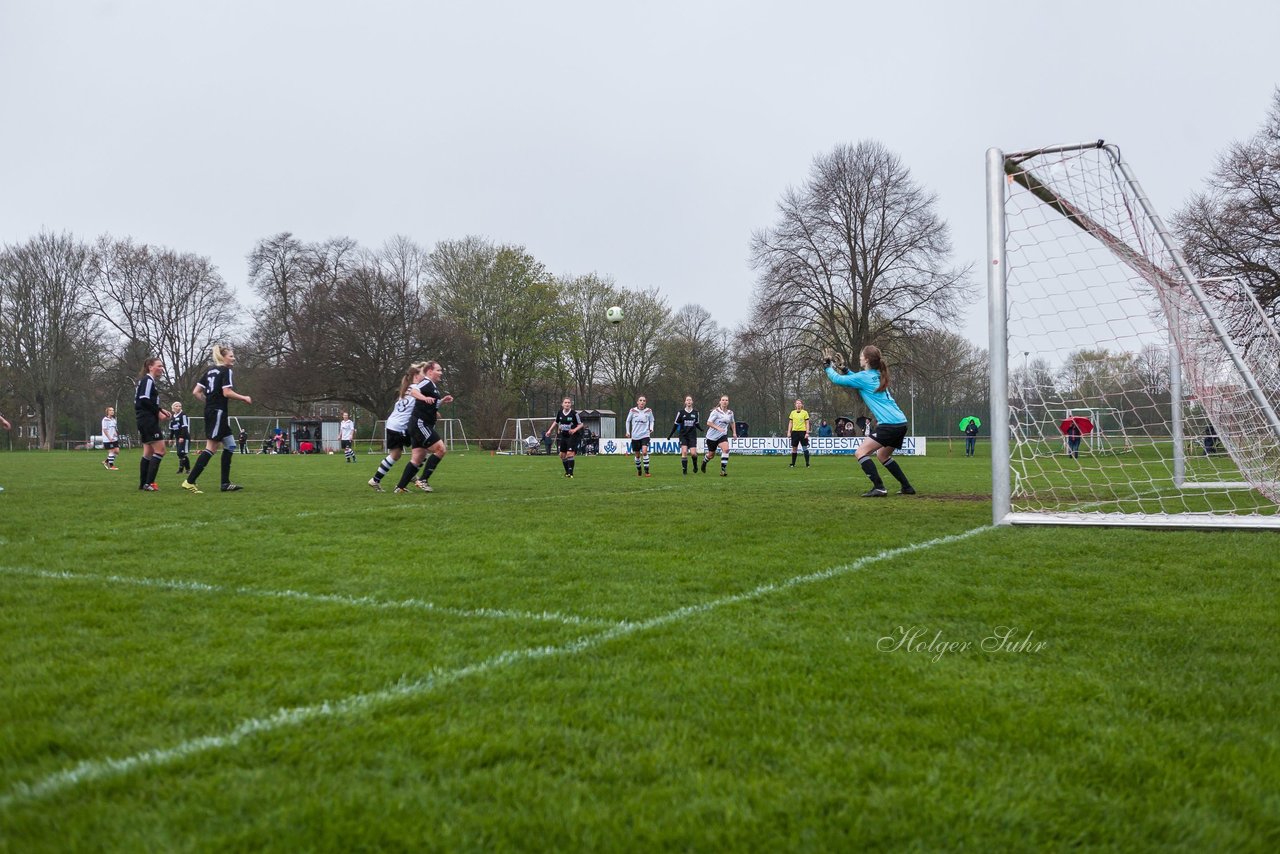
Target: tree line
[{"x": 857, "y": 254}]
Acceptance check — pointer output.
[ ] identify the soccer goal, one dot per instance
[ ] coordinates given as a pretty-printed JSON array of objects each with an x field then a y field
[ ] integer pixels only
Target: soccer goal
[
  {"x": 1097, "y": 321},
  {"x": 524, "y": 436},
  {"x": 448, "y": 429}
]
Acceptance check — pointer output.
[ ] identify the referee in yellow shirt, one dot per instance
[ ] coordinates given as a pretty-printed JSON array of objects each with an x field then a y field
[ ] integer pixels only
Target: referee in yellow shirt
[{"x": 799, "y": 432}]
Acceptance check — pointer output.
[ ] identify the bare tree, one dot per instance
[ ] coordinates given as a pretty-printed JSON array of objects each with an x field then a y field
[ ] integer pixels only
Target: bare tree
[
  {"x": 340, "y": 323},
  {"x": 584, "y": 336},
  {"x": 173, "y": 305},
  {"x": 280, "y": 272},
  {"x": 858, "y": 254},
  {"x": 776, "y": 369},
  {"x": 632, "y": 360},
  {"x": 1233, "y": 227},
  {"x": 504, "y": 299},
  {"x": 48, "y": 333},
  {"x": 695, "y": 358}
]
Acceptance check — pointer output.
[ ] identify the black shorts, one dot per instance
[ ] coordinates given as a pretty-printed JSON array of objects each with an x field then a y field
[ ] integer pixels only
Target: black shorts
[
  {"x": 890, "y": 435},
  {"x": 422, "y": 435},
  {"x": 110, "y": 446},
  {"x": 799, "y": 437},
  {"x": 713, "y": 443},
  {"x": 396, "y": 440},
  {"x": 149, "y": 429},
  {"x": 217, "y": 426},
  {"x": 639, "y": 446},
  {"x": 568, "y": 443},
  {"x": 345, "y": 444},
  {"x": 689, "y": 440}
]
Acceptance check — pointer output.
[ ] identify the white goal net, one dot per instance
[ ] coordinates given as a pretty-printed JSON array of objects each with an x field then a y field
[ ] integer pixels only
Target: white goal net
[{"x": 1135, "y": 393}]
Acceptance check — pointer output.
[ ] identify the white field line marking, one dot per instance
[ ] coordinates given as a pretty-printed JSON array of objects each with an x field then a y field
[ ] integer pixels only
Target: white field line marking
[
  {"x": 100, "y": 769},
  {"x": 326, "y": 598}
]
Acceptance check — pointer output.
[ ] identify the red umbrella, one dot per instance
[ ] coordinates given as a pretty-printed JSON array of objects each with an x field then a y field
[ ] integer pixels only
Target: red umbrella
[{"x": 1084, "y": 425}]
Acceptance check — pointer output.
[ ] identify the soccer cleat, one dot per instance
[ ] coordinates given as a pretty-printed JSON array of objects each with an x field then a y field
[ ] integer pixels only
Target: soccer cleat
[
  {"x": 192, "y": 488},
  {"x": 106, "y": 464},
  {"x": 646, "y": 474},
  {"x": 793, "y": 465},
  {"x": 155, "y": 487},
  {"x": 424, "y": 486},
  {"x": 231, "y": 487},
  {"x": 907, "y": 490},
  {"x": 149, "y": 487},
  {"x": 723, "y": 473},
  {"x": 399, "y": 491},
  {"x": 875, "y": 492},
  {"x": 377, "y": 487}
]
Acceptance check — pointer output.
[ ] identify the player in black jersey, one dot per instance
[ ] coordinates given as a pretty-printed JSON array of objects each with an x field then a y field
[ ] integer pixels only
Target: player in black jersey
[
  {"x": 215, "y": 389},
  {"x": 688, "y": 422},
  {"x": 569, "y": 424},
  {"x": 146, "y": 407},
  {"x": 423, "y": 438},
  {"x": 180, "y": 435}
]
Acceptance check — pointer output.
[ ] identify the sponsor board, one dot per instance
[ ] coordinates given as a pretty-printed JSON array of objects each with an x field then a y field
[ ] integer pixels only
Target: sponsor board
[{"x": 912, "y": 446}]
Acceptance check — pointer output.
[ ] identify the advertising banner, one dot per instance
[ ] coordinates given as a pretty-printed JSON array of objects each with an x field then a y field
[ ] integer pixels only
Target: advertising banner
[{"x": 912, "y": 446}]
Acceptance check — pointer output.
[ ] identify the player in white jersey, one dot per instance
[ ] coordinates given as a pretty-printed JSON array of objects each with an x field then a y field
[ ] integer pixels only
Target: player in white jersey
[
  {"x": 639, "y": 431},
  {"x": 346, "y": 436},
  {"x": 720, "y": 426},
  {"x": 110, "y": 439},
  {"x": 4, "y": 424},
  {"x": 397, "y": 436}
]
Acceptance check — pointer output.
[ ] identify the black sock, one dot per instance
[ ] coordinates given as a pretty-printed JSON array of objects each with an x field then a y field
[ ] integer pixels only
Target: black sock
[
  {"x": 564, "y": 463},
  {"x": 202, "y": 460},
  {"x": 806, "y": 455},
  {"x": 684, "y": 464},
  {"x": 571, "y": 462},
  {"x": 226, "y": 465},
  {"x": 891, "y": 465},
  {"x": 868, "y": 464},
  {"x": 144, "y": 466},
  {"x": 407, "y": 475},
  {"x": 430, "y": 466},
  {"x": 793, "y": 458},
  {"x": 154, "y": 468}
]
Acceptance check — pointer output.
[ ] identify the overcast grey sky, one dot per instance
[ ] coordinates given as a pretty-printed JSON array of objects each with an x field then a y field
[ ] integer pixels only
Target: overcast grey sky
[{"x": 644, "y": 141}]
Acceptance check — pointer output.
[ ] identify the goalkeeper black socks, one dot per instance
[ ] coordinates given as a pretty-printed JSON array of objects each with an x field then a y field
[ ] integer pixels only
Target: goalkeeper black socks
[
  {"x": 891, "y": 465},
  {"x": 226, "y": 465},
  {"x": 153, "y": 469},
  {"x": 868, "y": 464}
]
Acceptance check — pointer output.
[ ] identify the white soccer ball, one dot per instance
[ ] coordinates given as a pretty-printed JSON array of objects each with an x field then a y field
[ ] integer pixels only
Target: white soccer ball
[{"x": 614, "y": 314}]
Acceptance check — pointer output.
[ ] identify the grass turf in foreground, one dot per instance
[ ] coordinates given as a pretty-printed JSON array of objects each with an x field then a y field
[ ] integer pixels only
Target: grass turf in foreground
[{"x": 781, "y": 721}]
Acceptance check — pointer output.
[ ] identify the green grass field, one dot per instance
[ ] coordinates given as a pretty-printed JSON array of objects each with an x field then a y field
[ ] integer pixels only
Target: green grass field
[{"x": 522, "y": 662}]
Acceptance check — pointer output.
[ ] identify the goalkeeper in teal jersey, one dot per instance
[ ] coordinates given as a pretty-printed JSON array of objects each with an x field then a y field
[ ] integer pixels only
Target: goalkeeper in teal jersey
[{"x": 872, "y": 382}]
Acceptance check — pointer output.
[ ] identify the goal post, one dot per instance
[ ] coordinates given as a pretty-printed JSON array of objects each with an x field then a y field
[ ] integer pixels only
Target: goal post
[
  {"x": 1098, "y": 324},
  {"x": 523, "y": 436},
  {"x": 448, "y": 429}
]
